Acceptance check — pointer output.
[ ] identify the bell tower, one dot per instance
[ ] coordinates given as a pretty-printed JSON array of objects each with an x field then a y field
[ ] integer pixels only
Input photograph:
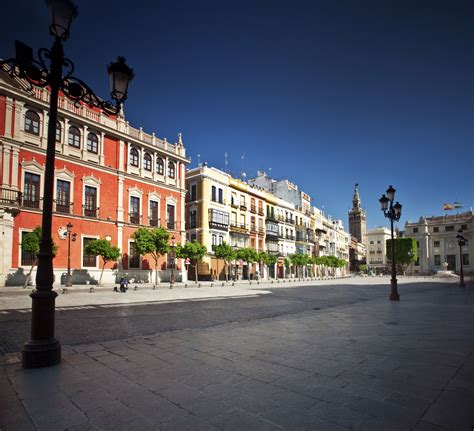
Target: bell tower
[{"x": 357, "y": 222}]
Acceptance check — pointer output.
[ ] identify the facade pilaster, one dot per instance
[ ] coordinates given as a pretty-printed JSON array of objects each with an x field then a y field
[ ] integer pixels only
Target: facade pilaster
[
  {"x": 8, "y": 117},
  {"x": 6, "y": 165},
  {"x": 17, "y": 133},
  {"x": 15, "y": 163},
  {"x": 101, "y": 149}
]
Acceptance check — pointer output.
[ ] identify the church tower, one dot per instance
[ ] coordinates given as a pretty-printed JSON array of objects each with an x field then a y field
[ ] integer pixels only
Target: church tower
[{"x": 357, "y": 227}]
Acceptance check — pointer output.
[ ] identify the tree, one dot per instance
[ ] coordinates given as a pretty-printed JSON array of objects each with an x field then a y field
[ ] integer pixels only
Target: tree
[
  {"x": 299, "y": 260},
  {"x": 287, "y": 263},
  {"x": 225, "y": 252},
  {"x": 152, "y": 241},
  {"x": 406, "y": 252},
  {"x": 194, "y": 251},
  {"x": 31, "y": 244},
  {"x": 104, "y": 249},
  {"x": 247, "y": 254},
  {"x": 267, "y": 259}
]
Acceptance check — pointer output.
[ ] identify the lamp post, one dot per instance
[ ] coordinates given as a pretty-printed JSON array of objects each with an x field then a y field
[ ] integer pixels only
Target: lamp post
[
  {"x": 461, "y": 242},
  {"x": 393, "y": 212},
  {"x": 44, "y": 349},
  {"x": 172, "y": 256},
  {"x": 70, "y": 236}
]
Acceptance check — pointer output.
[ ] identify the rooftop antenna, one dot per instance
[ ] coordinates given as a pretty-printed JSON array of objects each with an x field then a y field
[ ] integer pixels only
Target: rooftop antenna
[
  {"x": 199, "y": 159},
  {"x": 243, "y": 162},
  {"x": 225, "y": 162}
]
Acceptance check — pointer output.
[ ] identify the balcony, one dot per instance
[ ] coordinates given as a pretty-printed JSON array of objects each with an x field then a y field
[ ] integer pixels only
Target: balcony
[
  {"x": 261, "y": 231},
  {"x": 261, "y": 211},
  {"x": 63, "y": 207},
  {"x": 243, "y": 207},
  {"x": 253, "y": 208},
  {"x": 90, "y": 211},
  {"x": 253, "y": 228},
  {"x": 154, "y": 222},
  {"x": 290, "y": 221},
  {"x": 271, "y": 235},
  {"x": 218, "y": 225},
  {"x": 170, "y": 225},
  {"x": 234, "y": 204},
  {"x": 239, "y": 228},
  {"x": 31, "y": 202},
  {"x": 290, "y": 237},
  {"x": 134, "y": 218}
]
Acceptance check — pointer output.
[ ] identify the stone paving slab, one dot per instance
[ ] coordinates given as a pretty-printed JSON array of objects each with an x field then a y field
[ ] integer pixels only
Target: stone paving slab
[{"x": 372, "y": 365}]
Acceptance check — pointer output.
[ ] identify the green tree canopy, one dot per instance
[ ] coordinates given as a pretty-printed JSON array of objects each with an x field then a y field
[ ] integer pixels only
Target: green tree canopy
[
  {"x": 152, "y": 241},
  {"x": 406, "y": 252},
  {"x": 194, "y": 251},
  {"x": 104, "y": 249},
  {"x": 225, "y": 252},
  {"x": 247, "y": 254}
]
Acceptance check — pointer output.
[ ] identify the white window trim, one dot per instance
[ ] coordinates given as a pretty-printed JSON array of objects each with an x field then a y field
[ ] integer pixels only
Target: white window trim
[
  {"x": 33, "y": 167},
  {"x": 82, "y": 252},
  {"x": 65, "y": 175},
  {"x": 20, "y": 234},
  {"x": 128, "y": 257},
  {"x": 31, "y": 136},
  {"x": 91, "y": 181}
]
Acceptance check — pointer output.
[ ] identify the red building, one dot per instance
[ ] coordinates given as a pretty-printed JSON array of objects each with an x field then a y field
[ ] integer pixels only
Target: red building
[{"x": 110, "y": 179}]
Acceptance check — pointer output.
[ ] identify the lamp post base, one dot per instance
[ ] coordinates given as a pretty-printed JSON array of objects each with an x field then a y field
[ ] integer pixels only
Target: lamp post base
[
  {"x": 41, "y": 353},
  {"x": 394, "y": 296},
  {"x": 461, "y": 282}
]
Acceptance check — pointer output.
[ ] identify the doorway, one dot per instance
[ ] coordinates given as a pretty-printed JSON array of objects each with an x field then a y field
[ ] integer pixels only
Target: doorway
[{"x": 451, "y": 261}]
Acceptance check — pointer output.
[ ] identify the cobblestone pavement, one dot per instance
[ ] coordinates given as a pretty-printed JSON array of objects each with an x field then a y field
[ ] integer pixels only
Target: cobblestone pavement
[{"x": 367, "y": 365}]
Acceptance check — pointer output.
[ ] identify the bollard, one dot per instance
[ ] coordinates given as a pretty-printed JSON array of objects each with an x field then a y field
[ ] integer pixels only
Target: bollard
[
  {"x": 185, "y": 285},
  {"x": 211, "y": 284},
  {"x": 232, "y": 283},
  {"x": 135, "y": 288},
  {"x": 91, "y": 290},
  {"x": 64, "y": 290},
  {"x": 223, "y": 284},
  {"x": 171, "y": 286},
  {"x": 199, "y": 285}
]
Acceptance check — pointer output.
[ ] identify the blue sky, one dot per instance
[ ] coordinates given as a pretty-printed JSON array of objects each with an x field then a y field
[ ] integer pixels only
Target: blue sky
[{"x": 326, "y": 94}]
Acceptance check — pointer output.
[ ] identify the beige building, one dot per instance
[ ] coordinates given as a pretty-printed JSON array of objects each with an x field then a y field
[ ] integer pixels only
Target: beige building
[
  {"x": 377, "y": 248},
  {"x": 437, "y": 243}
]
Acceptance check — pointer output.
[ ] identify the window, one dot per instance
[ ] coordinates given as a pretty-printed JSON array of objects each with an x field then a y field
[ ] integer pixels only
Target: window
[
  {"x": 449, "y": 228},
  {"x": 153, "y": 215},
  {"x": 27, "y": 259},
  {"x": 436, "y": 229},
  {"x": 233, "y": 199},
  {"x": 219, "y": 218},
  {"x": 437, "y": 260},
  {"x": 221, "y": 239},
  {"x": 90, "y": 201},
  {"x": 214, "y": 193},
  {"x": 371, "y": 242},
  {"x": 92, "y": 143},
  {"x": 193, "y": 237},
  {"x": 74, "y": 137},
  {"x": 193, "y": 193},
  {"x": 134, "y": 210},
  {"x": 134, "y": 157},
  {"x": 59, "y": 132},
  {"x": 415, "y": 230},
  {"x": 192, "y": 219},
  {"x": 32, "y": 122},
  {"x": 147, "y": 162},
  {"x": 133, "y": 256},
  {"x": 379, "y": 242},
  {"x": 221, "y": 197},
  {"x": 214, "y": 239},
  {"x": 171, "y": 170},
  {"x": 465, "y": 259},
  {"x": 170, "y": 216},
  {"x": 88, "y": 260},
  {"x": 31, "y": 190},
  {"x": 63, "y": 190},
  {"x": 160, "y": 166},
  {"x": 436, "y": 244}
]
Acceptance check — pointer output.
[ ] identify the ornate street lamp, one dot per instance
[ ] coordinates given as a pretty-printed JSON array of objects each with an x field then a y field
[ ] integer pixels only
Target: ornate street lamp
[
  {"x": 172, "y": 256},
  {"x": 393, "y": 212},
  {"x": 462, "y": 242},
  {"x": 44, "y": 349},
  {"x": 70, "y": 236}
]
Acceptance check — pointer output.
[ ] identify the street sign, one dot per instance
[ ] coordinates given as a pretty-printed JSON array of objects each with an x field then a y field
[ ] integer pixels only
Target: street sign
[{"x": 188, "y": 262}]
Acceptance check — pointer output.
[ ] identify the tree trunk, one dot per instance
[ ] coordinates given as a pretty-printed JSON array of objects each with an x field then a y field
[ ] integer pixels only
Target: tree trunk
[
  {"x": 226, "y": 271},
  {"x": 156, "y": 273},
  {"x": 196, "y": 271},
  {"x": 101, "y": 274},
  {"x": 28, "y": 277}
]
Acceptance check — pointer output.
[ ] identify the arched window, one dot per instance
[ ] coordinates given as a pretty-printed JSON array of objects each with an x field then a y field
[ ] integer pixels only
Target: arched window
[
  {"x": 134, "y": 157},
  {"x": 74, "y": 137},
  {"x": 147, "y": 162},
  {"x": 59, "y": 132},
  {"x": 171, "y": 170},
  {"x": 32, "y": 122},
  {"x": 92, "y": 143},
  {"x": 160, "y": 166}
]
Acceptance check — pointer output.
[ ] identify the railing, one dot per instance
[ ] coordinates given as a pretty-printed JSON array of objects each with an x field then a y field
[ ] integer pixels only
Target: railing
[
  {"x": 134, "y": 218},
  {"x": 243, "y": 207},
  {"x": 253, "y": 208},
  {"x": 63, "y": 207},
  {"x": 90, "y": 211},
  {"x": 253, "y": 228},
  {"x": 261, "y": 212},
  {"x": 171, "y": 225},
  {"x": 261, "y": 231},
  {"x": 241, "y": 228},
  {"x": 31, "y": 202},
  {"x": 10, "y": 197},
  {"x": 290, "y": 237},
  {"x": 218, "y": 225},
  {"x": 154, "y": 222},
  {"x": 290, "y": 220},
  {"x": 234, "y": 204},
  {"x": 272, "y": 234}
]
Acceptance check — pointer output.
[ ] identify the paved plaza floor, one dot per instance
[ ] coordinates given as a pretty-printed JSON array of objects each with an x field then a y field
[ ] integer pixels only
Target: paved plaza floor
[{"x": 370, "y": 365}]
